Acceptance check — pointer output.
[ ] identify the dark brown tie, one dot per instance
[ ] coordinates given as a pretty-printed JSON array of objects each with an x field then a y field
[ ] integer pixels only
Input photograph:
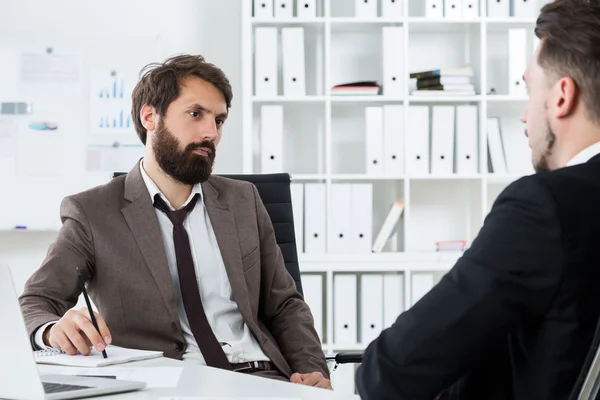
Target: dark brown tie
[{"x": 203, "y": 333}]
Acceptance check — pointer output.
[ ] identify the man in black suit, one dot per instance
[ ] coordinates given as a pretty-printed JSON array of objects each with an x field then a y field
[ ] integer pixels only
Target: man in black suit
[{"x": 515, "y": 317}]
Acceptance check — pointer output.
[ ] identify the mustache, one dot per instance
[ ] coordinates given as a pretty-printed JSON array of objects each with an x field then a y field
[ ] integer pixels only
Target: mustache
[{"x": 206, "y": 144}]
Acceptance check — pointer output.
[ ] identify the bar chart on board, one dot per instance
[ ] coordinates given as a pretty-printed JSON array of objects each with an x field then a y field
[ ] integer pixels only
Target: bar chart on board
[{"x": 110, "y": 102}]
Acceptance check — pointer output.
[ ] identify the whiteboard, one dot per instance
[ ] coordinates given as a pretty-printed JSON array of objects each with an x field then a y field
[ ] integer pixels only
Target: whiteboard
[{"x": 74, "y": 138}]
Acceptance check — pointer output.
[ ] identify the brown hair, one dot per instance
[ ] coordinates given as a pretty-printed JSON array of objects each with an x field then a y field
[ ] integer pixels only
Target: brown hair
[
  {"x": 569, "y": 31},
  {"x": 160, "y": 84}
]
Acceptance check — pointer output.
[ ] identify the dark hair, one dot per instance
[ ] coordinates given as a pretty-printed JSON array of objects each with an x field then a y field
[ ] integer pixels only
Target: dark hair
[
  {"x": 160, "y": 85},
  {"x": 569, "y": 31}
]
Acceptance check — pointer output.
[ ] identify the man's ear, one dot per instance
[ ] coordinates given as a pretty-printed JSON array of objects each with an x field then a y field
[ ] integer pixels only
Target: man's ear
[
  {"x": 567, "y": 97},
  {"x": 147, "y": 116}
]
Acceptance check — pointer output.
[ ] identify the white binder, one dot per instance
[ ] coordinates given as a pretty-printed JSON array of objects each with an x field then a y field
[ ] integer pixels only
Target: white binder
[
  {"x": 393, "y": 141},
  {"x": 434, "y": 8},
  {"x": 453, "y": 9},
  {"x": 467, "y": 160},
  {"x": 525, "y": 8},
  {"x": 517, "y": 61},
  {"x": 314, "y": 218},
  {"x": 392, "y": 9},
  {"x": 374, "y": 140},
  {"x": 271, "y": 140},
  {"x": 498, "y": 8},
  {"x": 393, "y": 298},
  {"x": 442, "y": 140},
  {"x": 263, "y": 8},
  {"x": 422, "y": 283},
  {"x": 361, "y": 232},
  {"x": 344, "y": 309},
  {"x": 365, "y": 8},
  {"x": 297, "y": 192},
  {"x": 312, "y": 285},
  {"x": 306, "y": 9},
  {"x": 284, "y": 9},
  {"x": 339, "y": 236},
  {"x": 371, "y": 307},
  {"x": 393, "y": 63},
  {"x": 265, "y": 63},
  {"x": 417, "y": 141},
  {"x": 495, "y": 146},
  {"x": 292, "y": 44},
  {"x": 470, "y": 8}
]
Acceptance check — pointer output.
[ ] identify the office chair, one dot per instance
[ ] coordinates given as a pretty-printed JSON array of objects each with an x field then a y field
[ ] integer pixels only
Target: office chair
[{"x": 274, "y": 191}]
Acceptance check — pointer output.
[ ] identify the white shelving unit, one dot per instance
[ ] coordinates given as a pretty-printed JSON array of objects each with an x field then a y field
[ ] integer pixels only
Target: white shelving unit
[{"x": 324, "y": 135}]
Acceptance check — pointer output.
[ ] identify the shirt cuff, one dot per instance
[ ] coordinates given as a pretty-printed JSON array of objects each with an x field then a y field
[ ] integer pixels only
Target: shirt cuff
[{"x": 38, "y": 337}]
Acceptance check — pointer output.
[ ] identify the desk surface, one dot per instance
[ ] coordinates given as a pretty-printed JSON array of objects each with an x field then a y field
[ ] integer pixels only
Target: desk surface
[{"x": 200, "y": 381}]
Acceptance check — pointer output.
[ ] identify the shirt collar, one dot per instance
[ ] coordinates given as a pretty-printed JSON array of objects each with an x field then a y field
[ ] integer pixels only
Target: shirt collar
[
  {"x": 154, "y": 190},
  {"x": 585, "y": 155}
]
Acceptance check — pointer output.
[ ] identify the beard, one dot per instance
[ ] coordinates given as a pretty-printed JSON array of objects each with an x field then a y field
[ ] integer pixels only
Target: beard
[
  {"x": 542, "y": 164},
  {"x": 184, "y": 165}
]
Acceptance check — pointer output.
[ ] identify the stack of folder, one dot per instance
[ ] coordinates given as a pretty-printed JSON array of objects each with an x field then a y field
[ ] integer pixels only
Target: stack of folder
[
  {"x": 453, "y": 81},
  {"x": 369, "y": 88}
]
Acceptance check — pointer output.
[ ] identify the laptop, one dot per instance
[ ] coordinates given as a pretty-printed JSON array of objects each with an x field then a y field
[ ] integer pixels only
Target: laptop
[{"x": 19, "y": 374}]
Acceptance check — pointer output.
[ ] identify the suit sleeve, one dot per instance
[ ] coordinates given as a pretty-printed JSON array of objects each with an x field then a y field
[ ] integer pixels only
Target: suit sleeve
[
  {"x": 53, "y": 288},
  {"x": 284, "y": 311},
  {"x": 510, "y": 274}
]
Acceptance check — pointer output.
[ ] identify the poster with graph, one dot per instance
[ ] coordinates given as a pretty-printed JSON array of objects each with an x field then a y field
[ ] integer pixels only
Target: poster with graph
[{"x": 110, "y": 102}]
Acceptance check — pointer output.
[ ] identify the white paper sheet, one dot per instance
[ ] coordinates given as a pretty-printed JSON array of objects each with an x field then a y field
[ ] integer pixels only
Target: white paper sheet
[
  {"x": 50, "y": 74},
  {"x": 39, "y": 152},
  {"x": 155, "y": 377},
  {"x": 112, "y": 158}
]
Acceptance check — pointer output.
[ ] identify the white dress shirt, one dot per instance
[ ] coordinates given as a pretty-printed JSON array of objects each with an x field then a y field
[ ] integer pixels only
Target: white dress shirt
[
  {"x": 585, "y": 155},
  {"x": 221, "y": 310}
]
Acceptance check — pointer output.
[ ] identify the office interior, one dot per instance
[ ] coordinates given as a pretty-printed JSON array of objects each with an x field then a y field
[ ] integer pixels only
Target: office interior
[{"x": 398, "y": 122}]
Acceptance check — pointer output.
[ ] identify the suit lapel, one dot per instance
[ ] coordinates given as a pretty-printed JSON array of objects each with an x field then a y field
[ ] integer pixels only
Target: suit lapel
[
  {"x": 142, "y": 221},
  {"x": 223, "y": 223}
]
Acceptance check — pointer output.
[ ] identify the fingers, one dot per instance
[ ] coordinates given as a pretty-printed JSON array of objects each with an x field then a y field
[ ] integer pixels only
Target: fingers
[
  {"x": 104, "y": 331},
  {"x": 60, "y": 340},
  {"x": 90, "y": 334},
  {"x": 324, "y": 384},
  {"x": 76, "y": 338},
  {"x": 296, "y": 378},
  {"x": 312, "y": 379}
]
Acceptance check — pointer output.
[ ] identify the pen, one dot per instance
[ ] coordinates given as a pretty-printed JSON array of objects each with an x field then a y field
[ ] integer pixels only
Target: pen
[{"x": 89, "y": 306}]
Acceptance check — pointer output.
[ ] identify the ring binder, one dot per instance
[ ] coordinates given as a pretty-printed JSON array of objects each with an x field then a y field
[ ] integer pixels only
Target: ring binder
[{"x": 47, "y": 352}]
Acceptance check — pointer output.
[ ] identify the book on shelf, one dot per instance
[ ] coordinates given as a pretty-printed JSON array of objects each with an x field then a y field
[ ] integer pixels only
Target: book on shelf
[
  {"x": 442, "y": 92},
  {"x": 452, "y": 245},
  {"x": 465, "y": 70},
  {"x": 389, "y": 226},
  {"x": 371, "y": 88},
  {"x": 442, "y": 81}
]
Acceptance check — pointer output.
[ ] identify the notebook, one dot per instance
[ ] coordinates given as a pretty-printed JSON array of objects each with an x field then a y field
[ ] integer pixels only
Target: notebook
[{"x": 116, "y": 355}]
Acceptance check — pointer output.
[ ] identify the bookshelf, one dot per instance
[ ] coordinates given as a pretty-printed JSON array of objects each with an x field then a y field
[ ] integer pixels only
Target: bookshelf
[{"x": 324, "y": 136}]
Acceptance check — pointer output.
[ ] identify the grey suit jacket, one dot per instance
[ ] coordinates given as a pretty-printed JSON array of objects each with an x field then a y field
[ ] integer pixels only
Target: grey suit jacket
[{"x": 112, "y": 234}]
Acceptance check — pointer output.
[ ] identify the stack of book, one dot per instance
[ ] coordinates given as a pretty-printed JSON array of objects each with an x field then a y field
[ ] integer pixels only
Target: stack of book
[
  {"x": 451, "y": 81},
  {"x": 368, "y": 88},
  {"x": 452, "y": 245}
]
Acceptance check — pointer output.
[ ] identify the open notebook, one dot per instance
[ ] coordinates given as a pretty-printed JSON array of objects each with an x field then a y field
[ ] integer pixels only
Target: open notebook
[{"x": 116, "y": 355}]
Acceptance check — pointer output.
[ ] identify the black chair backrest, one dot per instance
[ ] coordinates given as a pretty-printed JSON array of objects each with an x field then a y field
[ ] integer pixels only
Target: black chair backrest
[{"x": 274, "y": 191}]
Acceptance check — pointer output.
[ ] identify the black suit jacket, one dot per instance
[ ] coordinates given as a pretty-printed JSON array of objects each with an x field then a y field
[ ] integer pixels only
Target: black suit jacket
[{"x": 515, "y": 317}]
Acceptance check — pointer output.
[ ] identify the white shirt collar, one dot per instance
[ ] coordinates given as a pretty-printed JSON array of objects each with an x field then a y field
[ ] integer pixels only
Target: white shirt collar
[
  {"x": 585, "y": 155},
  {"x": 153, "y": 189}
]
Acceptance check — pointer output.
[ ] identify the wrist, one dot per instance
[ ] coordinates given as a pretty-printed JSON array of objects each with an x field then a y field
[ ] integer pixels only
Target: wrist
[{"x": 46, "y": 336}]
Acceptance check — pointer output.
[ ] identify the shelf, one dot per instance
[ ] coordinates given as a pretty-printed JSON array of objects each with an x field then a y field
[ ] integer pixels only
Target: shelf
[
  {"x": 289, "y": 99},
  {"x": 444, "y": 98},
  {"x": 364, "y": 177},
  {"x": 289, "y": 21},
  {"x": 448, "y": 21},
  {"x": 374, "y": 258},
  {"x": 308, "y": 177},
  {"x": 441, "y": 25},
  {"x": 504, "y": 98},
  {"x": 454, "y": 177},
  {"x": 510, "y": 20},
  {"x": 358, "y": 21},
  {"x": 365, "y": 99}
]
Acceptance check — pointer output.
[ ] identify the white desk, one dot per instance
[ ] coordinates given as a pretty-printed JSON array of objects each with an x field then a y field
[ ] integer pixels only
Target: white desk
[{"x": 199, "y": 381}]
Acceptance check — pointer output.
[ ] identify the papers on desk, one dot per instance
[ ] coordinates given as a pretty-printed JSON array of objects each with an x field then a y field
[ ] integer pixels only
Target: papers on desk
[
  {"x": 116, "y": 355},
  {"x": 228, "y": 398},
  {"x": 155, "y": 377}
]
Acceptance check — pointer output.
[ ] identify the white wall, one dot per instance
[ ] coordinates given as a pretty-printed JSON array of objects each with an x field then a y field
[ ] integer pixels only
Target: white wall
[{"x": 207, "y": 27}]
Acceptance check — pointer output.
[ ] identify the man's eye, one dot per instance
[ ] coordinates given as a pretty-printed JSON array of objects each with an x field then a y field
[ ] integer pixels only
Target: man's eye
[
  {"x": 220, "y": 122},
  {"x": 194, "y": 114}
]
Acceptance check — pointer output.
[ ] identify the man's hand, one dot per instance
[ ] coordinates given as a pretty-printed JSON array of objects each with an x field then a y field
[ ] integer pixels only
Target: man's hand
[
  {"x": 75, "y": 332},
  {"x": 312, "y": 379}
]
